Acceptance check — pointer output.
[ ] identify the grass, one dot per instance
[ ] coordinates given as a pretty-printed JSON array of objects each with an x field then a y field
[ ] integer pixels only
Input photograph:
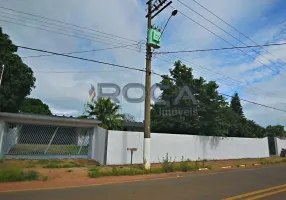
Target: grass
[
  {"x": 44, "y": 178},
  {"x": 17, "y": 174},
  {"x": 167, "y": 165},
  {"x": 52, "y": 164},
  {"x": 25, "y": 149}
]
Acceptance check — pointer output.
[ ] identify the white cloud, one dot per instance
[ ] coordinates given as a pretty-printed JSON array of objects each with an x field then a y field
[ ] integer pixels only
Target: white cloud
[{"x": 67, "y": 92}]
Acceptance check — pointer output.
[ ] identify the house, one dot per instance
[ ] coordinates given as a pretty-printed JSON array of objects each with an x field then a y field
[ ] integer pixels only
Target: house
[{"x": 133, "y": 126}]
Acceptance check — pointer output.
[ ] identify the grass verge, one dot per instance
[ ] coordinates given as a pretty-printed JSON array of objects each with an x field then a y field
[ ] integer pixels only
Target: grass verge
[
  {"x": 16, "y": 174},
  {"x": 64, "y": 165},
  {"x": 166, "y": 166}
]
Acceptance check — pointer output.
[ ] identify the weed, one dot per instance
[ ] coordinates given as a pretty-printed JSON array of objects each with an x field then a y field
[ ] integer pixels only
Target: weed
[
  {"x": 44, "y": 178},
  {"x": 265, "y": 162},
  {"x": 16, "y": 174},
  {"x": 30, "y": 165},
  {"x": 184, "y": 165},
  {"x": 167, "y": 165},
  {"x": 66, "y": 165},
  {"x": 94, "y": 173},
  {"x": 30, "y": 175}
]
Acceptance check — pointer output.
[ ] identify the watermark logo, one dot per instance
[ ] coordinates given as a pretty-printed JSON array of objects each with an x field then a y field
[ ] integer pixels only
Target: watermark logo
[{"x": 169, "y": 108}]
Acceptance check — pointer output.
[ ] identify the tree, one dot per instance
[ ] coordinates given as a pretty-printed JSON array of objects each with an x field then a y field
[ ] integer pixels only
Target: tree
[
  {"x": 275, "y": 131},
  {"x": 107, "y": 112},
  {"x": 128, "y": 117},
  {"x": 18, "y": 79},
  {"x": 209, "y": 118},
  {"x": 35, "y": 106},
  {"x": 236, "y": 105}
]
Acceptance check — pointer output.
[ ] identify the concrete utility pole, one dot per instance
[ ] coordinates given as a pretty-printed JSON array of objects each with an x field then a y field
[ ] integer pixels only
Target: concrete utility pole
[
  {"x": 2, "y": 72},
  {"x": 147, "y": 139},
  {"x": 153, "y": 40}
]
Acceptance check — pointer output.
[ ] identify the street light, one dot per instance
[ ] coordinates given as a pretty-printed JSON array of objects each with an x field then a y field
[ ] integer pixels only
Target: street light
[{"x": 174, "y": 13}]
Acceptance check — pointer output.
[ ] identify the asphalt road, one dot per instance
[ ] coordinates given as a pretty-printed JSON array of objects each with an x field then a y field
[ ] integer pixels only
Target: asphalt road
[{"x": 267, "y": 183}]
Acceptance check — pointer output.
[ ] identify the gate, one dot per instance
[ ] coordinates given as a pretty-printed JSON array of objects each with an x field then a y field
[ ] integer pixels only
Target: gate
[
  {"x": 29, "y": 141},
  {"x": 272, "y": 146}
]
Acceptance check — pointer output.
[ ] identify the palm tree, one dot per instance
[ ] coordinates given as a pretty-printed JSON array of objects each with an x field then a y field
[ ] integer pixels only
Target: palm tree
[{"x": 107, "y": 112}]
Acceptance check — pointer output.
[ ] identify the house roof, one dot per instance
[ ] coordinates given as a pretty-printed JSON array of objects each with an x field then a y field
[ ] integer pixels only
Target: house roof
[
  {"x": 47, "y": 120},
  {"x": 133, "y": 124}
]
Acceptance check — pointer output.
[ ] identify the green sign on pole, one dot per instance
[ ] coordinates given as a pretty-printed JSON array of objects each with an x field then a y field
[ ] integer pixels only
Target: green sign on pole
[{"x": 154, "y": 38}]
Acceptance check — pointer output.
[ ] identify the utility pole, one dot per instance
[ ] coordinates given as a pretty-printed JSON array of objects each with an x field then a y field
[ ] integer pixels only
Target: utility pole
[
  {"x": 2, "y": 72},
  {"x": 153, "y": 40},
  {"x": 147, "y": 139}
]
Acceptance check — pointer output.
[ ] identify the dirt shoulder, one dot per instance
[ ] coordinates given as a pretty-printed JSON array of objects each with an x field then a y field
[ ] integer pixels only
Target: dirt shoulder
[{"x": 78, "y": 176}]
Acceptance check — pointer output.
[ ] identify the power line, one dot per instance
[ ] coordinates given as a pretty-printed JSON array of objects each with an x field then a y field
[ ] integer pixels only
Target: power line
[
  {"x": 80, "y": 58},
  {"x": 237, "y": 29},
  {"x": 100, "y": 41},
  {"x": 62, "y": 22},
  {"x": 158, "y": 58},
  {"x": 255, "y": 103},
  {"x": 229, "y": 80},
  {"x": 228, "y": 42},
  {"x": 130, "y": 68},
  {"x": 64, "y": 28},
  {"x": 225, "y": 31},
  {"x": 70, "y": 52},
  {"x": 106, "y": 40},
  {"x": 75, "y": 52},
  {"x": 78, "y": 72},
  {"x": 219, "y": 49},
  {"x": 252, "y": 102}
]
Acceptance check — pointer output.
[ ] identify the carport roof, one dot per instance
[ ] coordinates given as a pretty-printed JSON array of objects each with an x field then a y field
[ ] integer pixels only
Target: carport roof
[{"x": 47, "y": 120}]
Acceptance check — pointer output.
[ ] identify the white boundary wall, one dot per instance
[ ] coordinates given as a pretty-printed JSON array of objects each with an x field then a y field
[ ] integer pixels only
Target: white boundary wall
[
  {"x": 280, "y": 144},
  {"x": 190, "y": 146}
]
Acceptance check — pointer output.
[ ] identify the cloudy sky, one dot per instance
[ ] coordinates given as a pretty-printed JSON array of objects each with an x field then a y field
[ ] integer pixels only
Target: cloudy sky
[{"x": 63, "y": 83}]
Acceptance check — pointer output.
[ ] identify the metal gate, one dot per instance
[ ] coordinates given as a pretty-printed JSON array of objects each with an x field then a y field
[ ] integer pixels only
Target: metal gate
[
  {"x": 28, "y": 141},
  {"x": 272, "y": 146}
]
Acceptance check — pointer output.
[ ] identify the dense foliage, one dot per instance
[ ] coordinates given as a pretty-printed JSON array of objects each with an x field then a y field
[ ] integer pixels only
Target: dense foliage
[
  {"x": 35, "y": 106},
  {"x": 107, "y": 112},
  {"x": 18, "y": 79},
  {"x": 213, "y": 115}
]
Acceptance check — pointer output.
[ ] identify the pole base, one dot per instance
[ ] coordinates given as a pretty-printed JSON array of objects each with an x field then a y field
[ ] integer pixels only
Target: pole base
[{"x": 147, "y": 153}]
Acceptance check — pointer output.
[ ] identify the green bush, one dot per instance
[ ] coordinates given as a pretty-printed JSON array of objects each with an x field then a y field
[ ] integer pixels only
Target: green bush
[
  {"x": 94, "y": 173},
  {"x": 16, "y": 174}
]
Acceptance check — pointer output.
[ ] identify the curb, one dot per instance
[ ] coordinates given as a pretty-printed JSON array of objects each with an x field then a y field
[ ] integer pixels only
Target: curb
[
  {"x": 226, "y": 167},
  {"x": 203, "y": 169}
]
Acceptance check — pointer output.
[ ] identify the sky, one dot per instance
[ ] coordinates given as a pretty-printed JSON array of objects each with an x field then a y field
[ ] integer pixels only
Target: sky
[{"x": 64, "y": 83}]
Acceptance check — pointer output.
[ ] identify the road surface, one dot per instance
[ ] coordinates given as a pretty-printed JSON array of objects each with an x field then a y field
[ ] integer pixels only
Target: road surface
[{"x": 267, "y": 183}]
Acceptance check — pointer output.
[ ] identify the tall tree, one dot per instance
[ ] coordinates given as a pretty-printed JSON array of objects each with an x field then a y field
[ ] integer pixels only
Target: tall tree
[
  {"x": 208, "y": 118},
  {"x": 18, "y": 79},
  {"x": 236, "y": 105},
  {"x": 107, "y": 112},
  {"x": 35, "y": 106}
]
